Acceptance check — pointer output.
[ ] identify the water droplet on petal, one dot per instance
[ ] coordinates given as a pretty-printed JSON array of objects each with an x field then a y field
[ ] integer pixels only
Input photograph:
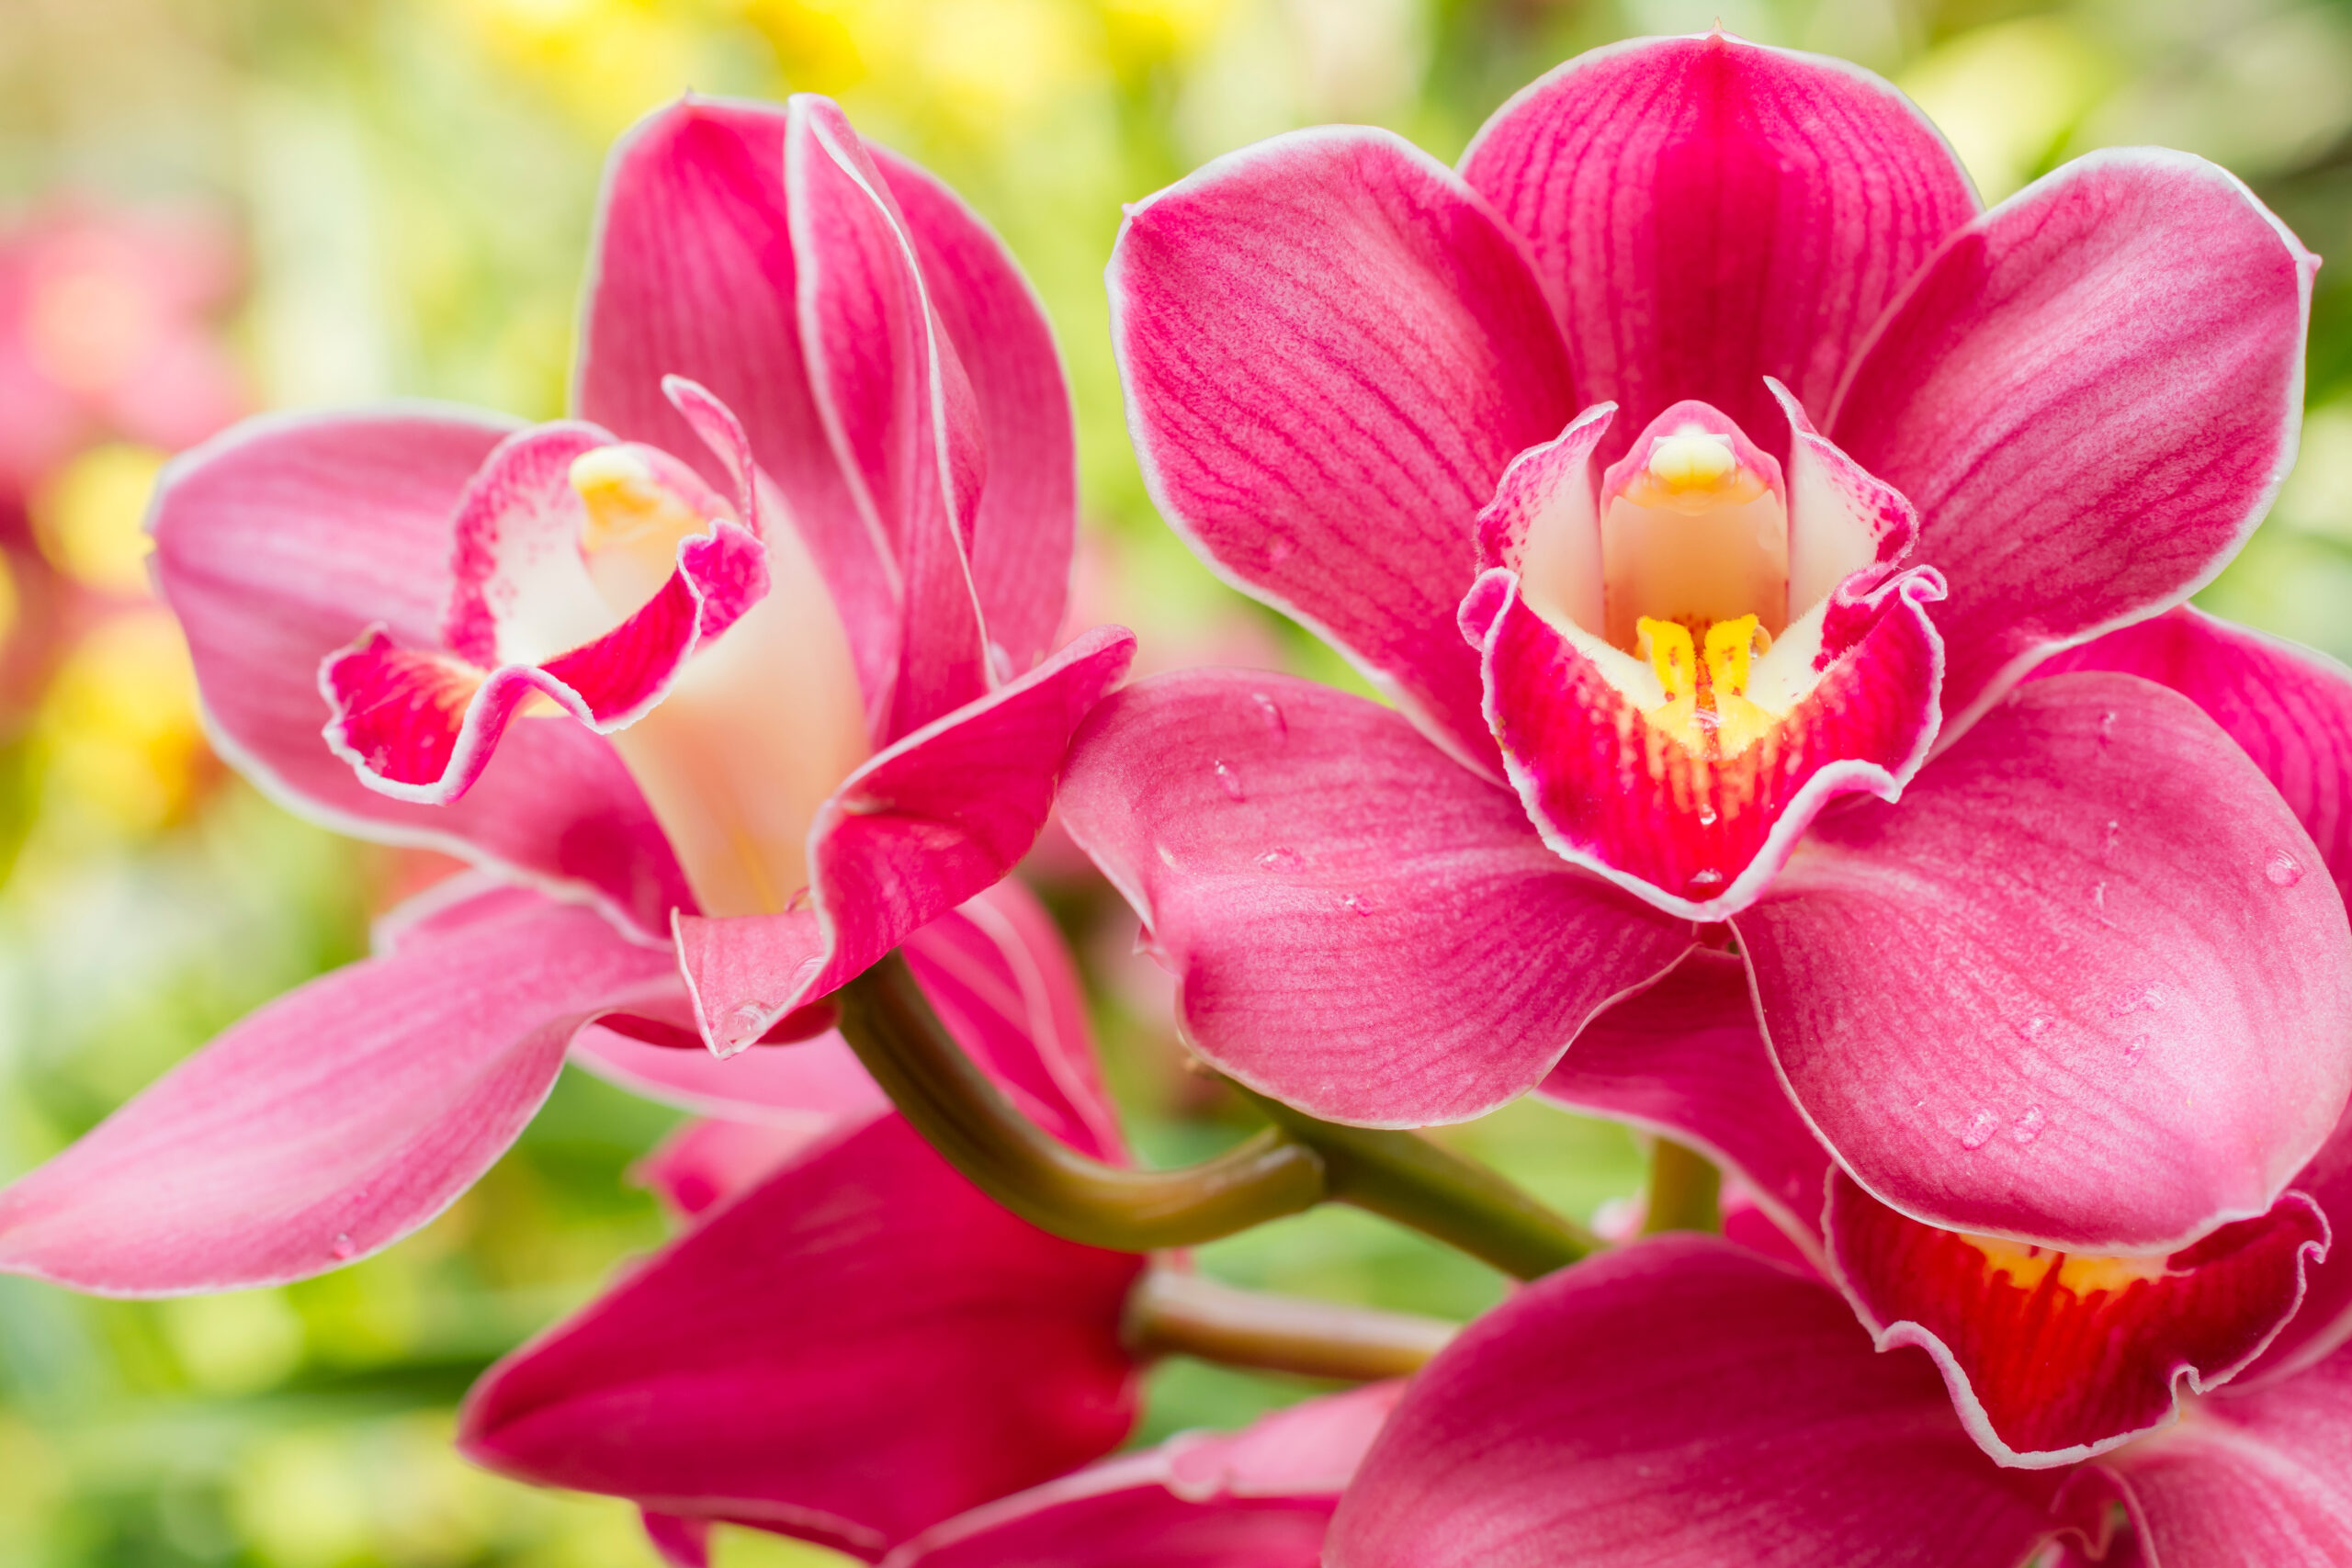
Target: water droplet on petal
[
  {"x": 1707, "y": 818},
  {"x": 342, "y": 1249},
  {"x": 1706, "y": 881},
  {"x": 2034, "y": 1028},
  {"x": 749, "y": 1014},
  {"x": 2136, "y": 1049},
  {"x": 2107, "y": 726},
  {"x": 1227, "y": 781},
  {"x": 2282, "y": 869},
  {"x": 1280, "y": 859},
  {"x": 2114, "y": 831},
  {"x": 1269, "y": 712},
  {"x": 1981, "y": 1127},
  {"x": 1355, "y": 904},
  {"x": 2028, "y": 1126}
]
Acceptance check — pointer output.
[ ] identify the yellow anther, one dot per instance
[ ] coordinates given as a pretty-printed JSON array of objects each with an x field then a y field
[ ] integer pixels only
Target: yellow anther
[
  {"x": 1672, "y": 655},
  {"x": 1729, "y": 644},
  {"x": 2078, "y": 1274},
  {"x": 626, "y": 502},
  {"x": 1693, "y": 460}
]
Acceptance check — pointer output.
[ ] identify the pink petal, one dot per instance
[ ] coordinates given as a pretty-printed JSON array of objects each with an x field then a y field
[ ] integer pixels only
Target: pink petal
[
  {"x": 1259, "y": 1498},
  {"x": 805, "y": 1088},
  {"x": 680, "y": 1543},
  {"x": 2262, "y": 1477},
  {"x": 2325, "y": 1320},
  {"x": 333, "y": 1121},
  {"x": 2090, "y": 395},
  {"x": 703, "y": 1164},
  {"x": 857, "y": 1348},
  {"x": 922, "y": 827},
  {"x": 1686, "y": 1058},
  {"x": 1358, "y": 925},
  {"x": 1331, "y": 349},
  {"x": 1699, "y": 838},
  {"x": 1026, "y": 529},
  {"x": 896, "y": 402},
  {"x": 2051, "y": 1359},
  {"x": 2066, "y": 991},
  {"x": 279, "y": 544},
  {"x": 693, "y": 276},
  {"x": 2288, "y": 708},
  {"x": 1707, "y": 212},
  {"x": 1679, "y": 1404}
]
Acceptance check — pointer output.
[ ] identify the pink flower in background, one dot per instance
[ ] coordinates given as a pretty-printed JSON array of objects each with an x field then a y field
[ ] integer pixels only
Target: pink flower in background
[
  {"x": 746, "y": 678},
  {"x": 109, "y": 330},
  {"x": 1693, "y": 466}
]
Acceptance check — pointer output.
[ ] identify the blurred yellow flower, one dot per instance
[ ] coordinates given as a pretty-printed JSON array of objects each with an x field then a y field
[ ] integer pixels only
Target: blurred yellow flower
[
  {"x": 120, "y": 726},
  {"x": 90, "y": 518}
]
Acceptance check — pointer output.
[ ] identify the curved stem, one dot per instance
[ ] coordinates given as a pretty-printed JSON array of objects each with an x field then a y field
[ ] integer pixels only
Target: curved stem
[
  {"x": 1685, "y": 1190},
  {"x": 889, "y": 1023},
  {"x": 1290, "y": 1166},
  {"x": 1178, "y": 1313}
]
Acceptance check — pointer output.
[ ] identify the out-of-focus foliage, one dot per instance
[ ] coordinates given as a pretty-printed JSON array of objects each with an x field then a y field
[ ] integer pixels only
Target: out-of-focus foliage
[{"x": 208, "y": 206}]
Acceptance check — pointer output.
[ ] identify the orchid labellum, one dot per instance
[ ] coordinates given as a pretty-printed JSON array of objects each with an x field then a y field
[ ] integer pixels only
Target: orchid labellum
[
  {"x": 1701, "y": 473},
  {"x": 739, "y": 679}
]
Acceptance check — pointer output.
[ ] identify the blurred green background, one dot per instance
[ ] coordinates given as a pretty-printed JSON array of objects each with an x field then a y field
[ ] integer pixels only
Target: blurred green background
[{"x": 214, "y": 206}]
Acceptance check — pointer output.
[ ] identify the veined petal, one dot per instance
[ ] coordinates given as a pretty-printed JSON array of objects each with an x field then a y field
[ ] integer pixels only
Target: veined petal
[
  {"x": 2263, "y": 1476},
  {"x": 279, "y": 542},
  {"x": 896, "y": 403},
  {"x": 2288, "y": 707},
  {"x": 1025, "y": 528},
  {"x": 918, "y": 829},
  {"x": 805, "y": 1088},
  {"x": 2091, "y": 394},
  {"x": 693, "y": 275},
  {"x": 1331, "y": 349},
  {"x": 856, "y": 1348},
  {"x": 1697, "y": 836},
  {"x": 2052, "y": 1358},
  {"x": 1358, "y": 926},
  {"x": 330, "y": 1122},
  {"x": 1679, "y": 1404},
  {"x": 2066, "y": 992},
  {"x": 1258, "y": 1499},
  {"x": 2325, "y": 1320},
  {"x": 1706, "y": 213},
  {"x": 1685, "y": 1058}
]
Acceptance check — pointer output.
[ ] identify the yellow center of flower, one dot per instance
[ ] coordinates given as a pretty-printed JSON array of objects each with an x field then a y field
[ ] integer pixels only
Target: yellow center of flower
[
  {"x": 633, "y": 523},
  {"x": 2078, "y": 1274},
  {"x": 1707, "y": 708}
]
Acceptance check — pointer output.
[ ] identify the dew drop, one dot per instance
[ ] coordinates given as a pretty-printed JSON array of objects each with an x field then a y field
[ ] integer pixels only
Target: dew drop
[
  {"x": 2136, "y": 1049},
  {"x": 1355, "y": 904},
  {"x": 1706, "y": 880},
  {"x": 342, "y": 1249},
  {"x": 1227, "y": 781},
  {"x": 1269, "y": 713},
  {"x": 1707, "y": 818},
  {"x": 2114, "y": 831},
  {"x": 2282, "y": 869},
  {"x": 2028, "y": 1126},
  {"x": 2099, "y": 897},
  {"x": 748, "y": 1016},
  {"x": 2034, "y": 1028},
  {"x": 2107, "y": 726},
  {"x": 1980, "y": 1129},
  {"x": 1280, "y": 859}
]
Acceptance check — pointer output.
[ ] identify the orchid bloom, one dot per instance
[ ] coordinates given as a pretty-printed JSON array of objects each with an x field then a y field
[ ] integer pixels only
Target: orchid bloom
[
  {"x": 740, "y": 678},
  {"x": 1699, "y": 471}
]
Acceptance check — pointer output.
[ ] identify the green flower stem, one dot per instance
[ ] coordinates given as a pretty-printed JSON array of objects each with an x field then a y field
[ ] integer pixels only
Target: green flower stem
[
  {"x": 1685, "y": 1190},
  {"x": 1173, "y": 1313},
  {"x": 1288, "y": 1167}
]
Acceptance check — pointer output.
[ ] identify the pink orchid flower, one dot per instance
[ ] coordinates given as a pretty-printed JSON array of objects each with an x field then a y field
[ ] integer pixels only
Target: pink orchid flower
[
  {"x": 1700, "y": 470},
  {"x": 746, "y": 682},
  {"x": 850, "y": 1344}
]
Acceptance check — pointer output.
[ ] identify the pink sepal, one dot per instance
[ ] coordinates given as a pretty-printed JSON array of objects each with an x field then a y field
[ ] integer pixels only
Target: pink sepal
[
  {"x": 1358, "y": 925},
  {"x": 852, "y": 1351},
  {"x": 2090, "y": 394},
  {"x": 2324, "y": 1322},
  {"x": 1700, "y": 838},
  {"x": 920, "y": 827},
  {"x": 2078, "y": 988},
  {"x": 2053, "y": 1360},
  {"x": 333, "y": 1121},
  {"x": 1258, "y": 1499},
  {"x": 1681, "y": 1404},
  {"x": 804, "y": 1089},
  {"x": 1686, "y": 1058}
]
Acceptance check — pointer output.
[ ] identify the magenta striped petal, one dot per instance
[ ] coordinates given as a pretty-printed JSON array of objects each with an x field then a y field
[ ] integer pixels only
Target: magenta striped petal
[
  {"x": 896, "y": 402},
  {"x": 1681, "y": 1404},
  {"x": 1331, "y": 349},
  {"x": 2325, "y": 1320},
  {"x": 1358, "y": 925},
  {"x": 693, "y": 275},
  {"x": 277, "y": 544},
  {"x": 2090, "y": 395},
  {"x": 2085, "y": 985},
  {"x": 333, "y": 1121},
  {"x": 2052, "y": 1358},
  {"x": 918, "y": 829},
  {"x": 1706, "y": 213}
]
